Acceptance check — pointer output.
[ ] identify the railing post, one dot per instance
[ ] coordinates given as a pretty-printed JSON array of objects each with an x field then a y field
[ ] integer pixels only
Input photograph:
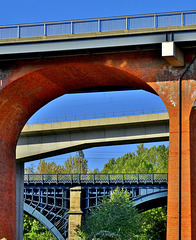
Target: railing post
[
  {"x": 152, "y": 178},
  {"x": 44, "y": 29},
  {"x": 42, "y": 179},
  {"x": 99, "y": 25},
  {"x": 138, "y": 178},
  {"x": 71, "y": 27},
  {"x": 57, "y": 180},
  {"x": 108, "y": 179},
  {"x": 79, "y": 178},
  {"x": 93, "y": 178},
  {"x": 126, "y": 23},
  {"x": 182, "y": 19},
  {"x": 18, "y": 31},
  {"x": 155, "y": 21}
]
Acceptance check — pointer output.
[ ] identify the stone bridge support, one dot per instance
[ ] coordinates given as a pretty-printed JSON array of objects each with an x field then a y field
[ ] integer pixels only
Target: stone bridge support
[{"x": 75, "y": 213}]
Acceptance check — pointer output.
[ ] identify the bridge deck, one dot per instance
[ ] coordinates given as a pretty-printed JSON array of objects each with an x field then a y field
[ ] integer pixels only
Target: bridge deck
[{"x": 92, "y": 33}]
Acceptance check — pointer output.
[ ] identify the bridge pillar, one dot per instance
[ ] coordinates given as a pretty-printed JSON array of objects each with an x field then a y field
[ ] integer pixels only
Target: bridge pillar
[
  {"x": 75, "y": 213},
  {"x": 19, "y": 199},
  {"x": 168, "y": 91}
]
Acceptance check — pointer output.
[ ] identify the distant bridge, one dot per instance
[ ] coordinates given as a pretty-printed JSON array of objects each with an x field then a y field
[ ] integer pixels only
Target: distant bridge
[
  {"x": 48, "y": 197},
  {"x": 45, "y": 140}
]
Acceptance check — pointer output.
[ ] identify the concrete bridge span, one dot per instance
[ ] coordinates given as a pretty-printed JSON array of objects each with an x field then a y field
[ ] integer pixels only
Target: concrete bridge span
[
  {"x": 34, "y": 72},
  {"x": 45, "y": 140}
]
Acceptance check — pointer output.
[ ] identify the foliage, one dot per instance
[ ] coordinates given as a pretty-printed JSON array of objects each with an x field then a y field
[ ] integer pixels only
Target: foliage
[
  {"x": 30, "y": 170},
  {"x": 155, "y": 224},
  {"x": 48, "y": 168},
  {"x": 35, "y": 230},
  {"x": 116, "y": 215},
  {"x": 75, "y": 164},
  {"x": 106, "y": 235},
  {"x": 145, "y": 160},
  {"x": 94, "y": 171}
]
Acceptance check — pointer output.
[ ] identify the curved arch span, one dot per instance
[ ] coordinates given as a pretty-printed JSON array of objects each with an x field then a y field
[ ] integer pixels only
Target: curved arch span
[
  {"x": 41, "y": 218},
  {"x": 150, "y": 201}
]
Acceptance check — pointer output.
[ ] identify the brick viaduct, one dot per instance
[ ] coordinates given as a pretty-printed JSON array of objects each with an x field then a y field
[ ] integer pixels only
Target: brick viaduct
[{"x": 27, "y": 85}]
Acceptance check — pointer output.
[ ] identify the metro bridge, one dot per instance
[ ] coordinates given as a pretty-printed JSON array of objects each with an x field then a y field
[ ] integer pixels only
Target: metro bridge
[{"x": 50, "y": 198}]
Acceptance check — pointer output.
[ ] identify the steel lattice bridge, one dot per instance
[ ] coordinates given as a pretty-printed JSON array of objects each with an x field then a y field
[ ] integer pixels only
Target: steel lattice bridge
[{"x": 47, "y": 196}]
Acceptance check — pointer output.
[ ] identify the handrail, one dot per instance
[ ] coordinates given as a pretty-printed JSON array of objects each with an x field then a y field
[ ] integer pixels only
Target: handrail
[
  {"x": 125, "y": 178},
  {"x": 131, "y": 22},
  {"x": 98, "y": 115}
]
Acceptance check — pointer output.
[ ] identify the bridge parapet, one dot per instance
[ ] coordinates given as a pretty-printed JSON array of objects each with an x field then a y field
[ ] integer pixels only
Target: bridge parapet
[
  {"x": 99, "y": 25},
  {"x": 80, "y": 179}
]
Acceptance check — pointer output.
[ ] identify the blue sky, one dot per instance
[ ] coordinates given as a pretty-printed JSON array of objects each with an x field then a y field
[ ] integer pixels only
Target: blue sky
[
  {"x": 28, "y": 11},
  {"x": 31, "y": 11}
]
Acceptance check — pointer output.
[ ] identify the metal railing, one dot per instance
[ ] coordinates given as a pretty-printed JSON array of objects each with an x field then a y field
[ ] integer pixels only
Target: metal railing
[
  {"x": 99, "y": 25},
  {"x": 127, "y": 178},
  {"x": 97, "y": 116}
]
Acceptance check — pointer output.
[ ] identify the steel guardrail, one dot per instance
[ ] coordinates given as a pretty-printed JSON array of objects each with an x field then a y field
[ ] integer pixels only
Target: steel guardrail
[
  {"x": 97, "y": 116},
  {"x": 132, "y": 22},
  {"x": 126, "y": 178}
]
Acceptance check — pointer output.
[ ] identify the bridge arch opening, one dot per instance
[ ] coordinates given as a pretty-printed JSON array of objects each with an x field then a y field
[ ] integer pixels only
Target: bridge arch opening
[
  {"x": 147, "y": 204},
  {"x": 29, "y": 85}
]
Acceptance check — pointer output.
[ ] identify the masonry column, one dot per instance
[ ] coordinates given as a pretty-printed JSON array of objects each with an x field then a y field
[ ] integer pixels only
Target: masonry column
[
  {"x": 168, "y": 91},
  {"x": 75, "y": 213}
]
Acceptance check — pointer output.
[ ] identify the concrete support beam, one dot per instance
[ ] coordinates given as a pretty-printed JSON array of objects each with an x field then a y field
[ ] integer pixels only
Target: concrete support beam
[
  {"x": 75, "y": 213},
  {"x": 172, "y": 54},
  {"x": 19, "y": 199}
]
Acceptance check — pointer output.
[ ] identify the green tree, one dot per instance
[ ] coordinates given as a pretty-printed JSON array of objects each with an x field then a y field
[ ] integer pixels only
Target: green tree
[
  {"x": 35, "y": 230},
  {"x": 76, "y": 164},
  {"x": 144, "y": 160},
  {"x": 116, "y": 215},
  {"x": 94, "y": 171},
  {"x": 154, "y": 226},
  {"x": 48, "y": 168},
  {"x": 30, "y": 169}
]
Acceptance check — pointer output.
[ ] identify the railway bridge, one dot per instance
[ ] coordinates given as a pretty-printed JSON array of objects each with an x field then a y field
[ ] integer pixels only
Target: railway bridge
[{"x": 58, "y": 201}]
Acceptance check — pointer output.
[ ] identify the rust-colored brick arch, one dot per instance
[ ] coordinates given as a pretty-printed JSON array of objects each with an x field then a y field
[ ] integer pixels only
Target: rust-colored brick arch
[{"x": 26, "y": 86}]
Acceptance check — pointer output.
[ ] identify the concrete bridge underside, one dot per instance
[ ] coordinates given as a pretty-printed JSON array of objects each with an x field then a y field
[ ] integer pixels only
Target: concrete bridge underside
[{"x": 45, "y": 140}]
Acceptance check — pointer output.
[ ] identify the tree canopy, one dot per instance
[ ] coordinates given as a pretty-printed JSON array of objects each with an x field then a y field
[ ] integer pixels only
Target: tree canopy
[
  {"x": 144, "y": 160},
  {"x": 114, "y": 218}
]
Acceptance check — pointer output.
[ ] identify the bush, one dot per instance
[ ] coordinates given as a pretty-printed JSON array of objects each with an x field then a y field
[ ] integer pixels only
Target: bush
[{"x": 116, "y": 216}]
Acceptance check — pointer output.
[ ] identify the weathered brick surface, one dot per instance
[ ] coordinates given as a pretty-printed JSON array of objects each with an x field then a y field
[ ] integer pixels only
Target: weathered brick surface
[
  {"x": 29, "y": 85},
  {"x": 169, "y": 94}
]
